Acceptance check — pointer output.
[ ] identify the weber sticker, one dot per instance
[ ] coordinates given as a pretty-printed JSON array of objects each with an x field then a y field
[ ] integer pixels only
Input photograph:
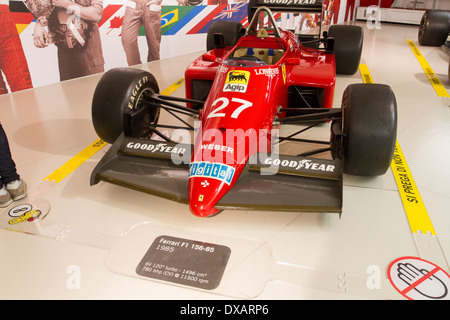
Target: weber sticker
[
  {"x": 187, "y": 262},
  {"x": 236, "y": 81}
]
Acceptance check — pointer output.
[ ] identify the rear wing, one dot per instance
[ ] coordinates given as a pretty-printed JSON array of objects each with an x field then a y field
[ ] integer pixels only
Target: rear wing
[{"x": 313, "y": 6}]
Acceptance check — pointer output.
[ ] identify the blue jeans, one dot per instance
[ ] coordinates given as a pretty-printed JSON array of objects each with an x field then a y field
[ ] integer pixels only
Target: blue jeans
[{"x": 8, "y": 171}]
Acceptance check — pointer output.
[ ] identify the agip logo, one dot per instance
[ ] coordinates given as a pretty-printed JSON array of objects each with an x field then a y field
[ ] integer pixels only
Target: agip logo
[{"x": 236, "y": 81}]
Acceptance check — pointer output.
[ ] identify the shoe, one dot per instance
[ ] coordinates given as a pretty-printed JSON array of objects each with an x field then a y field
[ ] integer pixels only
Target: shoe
[
  {"x": 17, "y": 189},
  {"x": 5, "y": 198}
]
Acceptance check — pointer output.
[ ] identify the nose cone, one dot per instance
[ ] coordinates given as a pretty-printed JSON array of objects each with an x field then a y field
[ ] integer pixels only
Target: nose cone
[
  {"x": 203, "y": 196},
  {"x": 208, "y": 182},
  {"x": 202, "y": 210},
  {"x": 202, "y": 205}
]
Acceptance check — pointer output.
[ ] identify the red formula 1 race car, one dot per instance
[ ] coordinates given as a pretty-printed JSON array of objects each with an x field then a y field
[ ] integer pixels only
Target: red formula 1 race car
[{"x": 248, "y": 84}]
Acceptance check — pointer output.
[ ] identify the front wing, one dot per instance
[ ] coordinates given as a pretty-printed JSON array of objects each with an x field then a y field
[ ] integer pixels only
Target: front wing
[{"x": 274, "y": 183}]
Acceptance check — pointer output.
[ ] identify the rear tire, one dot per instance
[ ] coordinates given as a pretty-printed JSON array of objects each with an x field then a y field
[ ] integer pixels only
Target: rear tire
[
  {"x": 347, "y": 47},
  {"x": 119, "y": 105},
  {"x": 434, "y": 28},
  {"x": 369, "y": 128}
]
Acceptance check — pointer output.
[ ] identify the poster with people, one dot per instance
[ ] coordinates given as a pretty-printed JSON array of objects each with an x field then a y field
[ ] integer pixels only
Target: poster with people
[{"x": 58, "y": 40}]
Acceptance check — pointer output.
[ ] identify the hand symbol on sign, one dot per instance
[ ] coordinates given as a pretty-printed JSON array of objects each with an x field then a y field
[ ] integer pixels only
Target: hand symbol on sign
[{"x": 431, "y": 286}]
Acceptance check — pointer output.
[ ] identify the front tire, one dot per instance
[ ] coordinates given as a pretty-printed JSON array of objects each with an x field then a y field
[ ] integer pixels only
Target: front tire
[
  {"x": 119, "y": 104},
  {"x": 369, "y": 128}
]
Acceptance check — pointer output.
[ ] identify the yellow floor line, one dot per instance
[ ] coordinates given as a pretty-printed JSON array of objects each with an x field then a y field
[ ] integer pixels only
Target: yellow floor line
[
  {"x": 432, "y": 77},
  {"x": 173, "y": 87},
  {"x": 76, "y": 161},
  {"x": 63, "y": 171},
  {"x": 416, "y": 212}
]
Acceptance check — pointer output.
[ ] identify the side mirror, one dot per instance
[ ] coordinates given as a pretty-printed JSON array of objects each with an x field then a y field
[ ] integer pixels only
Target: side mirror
[{"x": 209, "y": 57}]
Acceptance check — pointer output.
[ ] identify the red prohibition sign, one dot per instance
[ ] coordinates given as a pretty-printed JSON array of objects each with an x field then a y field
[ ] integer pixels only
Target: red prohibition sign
[{"x": 418, "y": 279}]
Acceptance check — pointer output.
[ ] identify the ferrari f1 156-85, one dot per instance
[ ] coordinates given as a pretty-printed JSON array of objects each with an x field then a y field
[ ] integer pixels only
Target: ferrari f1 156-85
[{"x": 249, "y": 83}]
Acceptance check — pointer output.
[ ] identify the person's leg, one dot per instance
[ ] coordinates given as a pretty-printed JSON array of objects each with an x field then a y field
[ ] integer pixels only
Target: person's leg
[
  {"x": 92, "y": 54},
  {"x": 69, "y": 61},
  {"x": 13, "y": 62},
  {"x": 8, "y": 171},
  {"x": 3, "y": 88},
  {"x": 12, "y": 188},
  {"x": 152, "y": 25},
  {"x": 131, "y": 24}
]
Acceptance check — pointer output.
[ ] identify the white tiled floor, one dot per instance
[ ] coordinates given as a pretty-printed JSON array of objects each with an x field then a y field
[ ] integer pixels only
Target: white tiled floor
[{"x": 103, "y": 231}]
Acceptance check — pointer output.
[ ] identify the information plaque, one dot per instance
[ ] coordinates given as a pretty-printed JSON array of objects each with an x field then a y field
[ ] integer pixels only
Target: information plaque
[{"x": 188, "y": 262}]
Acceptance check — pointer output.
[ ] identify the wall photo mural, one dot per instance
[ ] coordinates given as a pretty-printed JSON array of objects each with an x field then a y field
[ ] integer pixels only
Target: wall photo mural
[{"x": 46, "y": 41}]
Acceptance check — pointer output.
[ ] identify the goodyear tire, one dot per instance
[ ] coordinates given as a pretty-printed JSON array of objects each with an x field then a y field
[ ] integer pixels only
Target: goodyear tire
[
  {"x": 347, "y": 47},
  {"x": 434, "y": 28},
  {"x": 369, "y": 126},
  {"x": 231, "y": 31},
  {"x": 119, "y": 105}
]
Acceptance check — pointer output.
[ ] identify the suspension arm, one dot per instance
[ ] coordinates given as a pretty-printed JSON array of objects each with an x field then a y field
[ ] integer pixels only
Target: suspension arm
[{"x": 307, "y": 115}]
